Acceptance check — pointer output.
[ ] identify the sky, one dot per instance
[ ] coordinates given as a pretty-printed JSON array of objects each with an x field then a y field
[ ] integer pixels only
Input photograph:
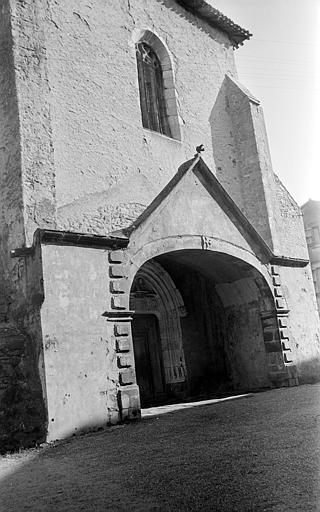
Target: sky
[{"x": 280, "y": 65}]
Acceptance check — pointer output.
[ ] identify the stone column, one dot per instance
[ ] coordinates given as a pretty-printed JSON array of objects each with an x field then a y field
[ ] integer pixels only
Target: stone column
[{"x": 119, "y": 319}]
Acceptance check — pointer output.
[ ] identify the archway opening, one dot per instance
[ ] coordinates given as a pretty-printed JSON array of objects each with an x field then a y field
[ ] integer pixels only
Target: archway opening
[{"x": 204, "y": 325}]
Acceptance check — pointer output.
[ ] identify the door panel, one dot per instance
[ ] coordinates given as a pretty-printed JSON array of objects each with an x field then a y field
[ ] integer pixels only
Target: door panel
[{"x": 148, "y": 359}]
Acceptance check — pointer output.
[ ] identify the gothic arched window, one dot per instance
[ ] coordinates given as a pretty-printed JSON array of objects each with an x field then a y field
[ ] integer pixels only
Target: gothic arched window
[{"x": 151, "y": 87}]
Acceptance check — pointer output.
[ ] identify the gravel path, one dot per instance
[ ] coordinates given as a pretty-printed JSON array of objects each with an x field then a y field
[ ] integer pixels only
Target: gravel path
[{"x": 252, "y": 454}]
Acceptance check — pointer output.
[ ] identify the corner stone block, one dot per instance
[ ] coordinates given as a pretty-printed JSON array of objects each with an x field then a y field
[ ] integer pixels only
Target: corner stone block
[
  {"x": 118, "y": 286},
  {"x": 278, "y": 377},
  {"x": 286, "y": 357},
  {"x": 121, "y": 329},
  {"x": 117, "y": 271},
  {"x": 284, "y": 333},
  {"x": 123, "y": 345},
  {"x": 268, "y": 335},
  {"x": 119, "y": 302},
  {"x": 276, "y": 281},
  {"x": 127, "y": 377},
  {"x": 116, "y": 257},
  {"x": 285, "y": 347},
  {"x": 274, "y": 271},
  {"x": 292, "y": 372},
  {"x": 275, "y": 360},
  {"x": 283, "y": 321},
  {"x": 129, "y": 403},
  {"x": 277, "y": 292},
  {"x": 272, "y": 346},
  {"x": 268, "y": 321},
  {"x": 280, "y": 303},
  {"x": 124, "y": 361}
]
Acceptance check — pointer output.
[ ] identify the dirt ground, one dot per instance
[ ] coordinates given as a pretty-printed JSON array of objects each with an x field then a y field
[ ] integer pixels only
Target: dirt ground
[{"x": 260, "y": 453}]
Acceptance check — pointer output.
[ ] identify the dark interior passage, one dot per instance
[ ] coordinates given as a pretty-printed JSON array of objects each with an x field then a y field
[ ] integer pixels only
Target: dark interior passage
[
  {"x": 197, "y": 328},
  {"x": 204, "y": 331}
]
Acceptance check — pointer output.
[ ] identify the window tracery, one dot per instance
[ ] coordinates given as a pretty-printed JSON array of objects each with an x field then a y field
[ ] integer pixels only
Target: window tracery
[{"x": 151, "y": 87}]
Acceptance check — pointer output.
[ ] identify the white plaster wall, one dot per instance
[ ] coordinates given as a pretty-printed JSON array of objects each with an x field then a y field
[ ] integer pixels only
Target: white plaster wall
[
  {"x": 107, "y": 166},
  {"x": 289, "y": 224},
  {"x": 80, "y": 365},
  {"x": 304, "y": 327}
]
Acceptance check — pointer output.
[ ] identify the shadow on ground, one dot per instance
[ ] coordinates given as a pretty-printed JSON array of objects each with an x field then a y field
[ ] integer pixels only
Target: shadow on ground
[{"x": 256, "y": 453}]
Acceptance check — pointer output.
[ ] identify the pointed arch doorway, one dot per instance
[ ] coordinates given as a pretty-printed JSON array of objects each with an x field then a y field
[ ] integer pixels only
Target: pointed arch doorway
[
  {"x": 217, "y": 328},
  {"x": 157, "y": 336}
]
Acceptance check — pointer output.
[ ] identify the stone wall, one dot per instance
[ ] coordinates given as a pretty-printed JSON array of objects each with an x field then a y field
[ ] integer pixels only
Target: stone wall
[
  {"x": 80, "y": 359},
  {"x": 249, "y": 357},
  {"x": 106, "y": 163},
  {"x": 21, "y": 418},
  {"x": 23, "y": 415},
  {"x": 74, "y": 156},
  {"x": 22, "y": 412},
  {"x": 242, "y": 155},
  {"x": 28, "y": 21},
  {"x": 303, "y": 330},
  {"x": 79, "y": 115},
  {"x": 11, "y": 195},
  {"x": 289, "y": 224}
]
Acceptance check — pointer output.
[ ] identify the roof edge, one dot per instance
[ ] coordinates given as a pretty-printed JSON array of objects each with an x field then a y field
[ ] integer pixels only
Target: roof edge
[
  {"x": 216, "y": 19},
  {"x": 57, "y": 237},
  {"x": 218, "y": 192},
  {"x": 120, "y": 239}
]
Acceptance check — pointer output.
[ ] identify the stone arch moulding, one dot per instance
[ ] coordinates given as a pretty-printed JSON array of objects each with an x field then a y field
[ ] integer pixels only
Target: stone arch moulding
[
  {"x": 167, "y": 304},
  {"x": 277, "y": 321},
  {"x": 137, "y": 255},
  {"x": 170, "y": 94},
  {"x": 123, "y": 267}
]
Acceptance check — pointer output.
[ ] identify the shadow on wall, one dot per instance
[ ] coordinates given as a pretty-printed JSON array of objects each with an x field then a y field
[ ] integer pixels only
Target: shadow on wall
[
  {"x": 309, "y": 371},
  {"x": 224, "y": 145},
  {"x": 22, "y": 414}
]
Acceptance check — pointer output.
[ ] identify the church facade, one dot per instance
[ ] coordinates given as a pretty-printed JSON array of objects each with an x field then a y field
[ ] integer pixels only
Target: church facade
[{"x": 137, "y": 269}]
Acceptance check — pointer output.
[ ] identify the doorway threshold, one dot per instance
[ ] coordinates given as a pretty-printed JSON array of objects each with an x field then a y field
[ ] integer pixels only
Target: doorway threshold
[{"x": 151, "y": 412}]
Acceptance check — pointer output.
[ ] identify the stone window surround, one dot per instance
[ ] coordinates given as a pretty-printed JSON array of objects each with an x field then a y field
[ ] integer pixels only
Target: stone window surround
[
  {"x": 170, "y": 95},
  {"x": 315, "y": 268},
  {"x": 313, "y": 234}
]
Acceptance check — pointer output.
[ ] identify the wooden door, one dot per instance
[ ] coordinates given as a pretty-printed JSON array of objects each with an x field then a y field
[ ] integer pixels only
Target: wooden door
[{"x": 148, "y": 359}]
